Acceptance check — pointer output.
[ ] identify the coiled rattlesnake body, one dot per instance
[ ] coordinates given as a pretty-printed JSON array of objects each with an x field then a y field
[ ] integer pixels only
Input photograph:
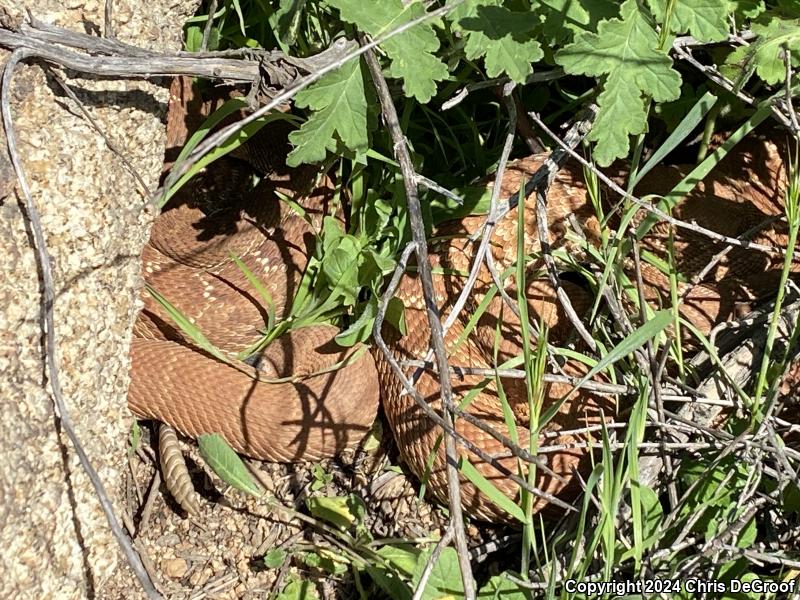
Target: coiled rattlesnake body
[{"x": 321, "y": 412}]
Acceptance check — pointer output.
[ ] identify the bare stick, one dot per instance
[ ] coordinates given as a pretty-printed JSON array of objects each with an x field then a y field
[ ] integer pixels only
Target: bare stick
[
  {"x": 209, "y": 24},
  {"x": 435, "y": 187},
  {"x": 154, "y": 65},
  {"x": 48, "y": 297},
  {"x": 108, "y": 19},
  {"x": 437, "y": 334},
  {"x": 437, "y": 551}
]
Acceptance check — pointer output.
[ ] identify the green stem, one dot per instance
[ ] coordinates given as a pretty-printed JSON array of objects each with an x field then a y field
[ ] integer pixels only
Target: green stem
[
  {"x": 665, "y": 26},
  {"x": 776, "y": 314},
  {"x": 708, "y": 130},
  {"x": 792, "y": 207},
  {"x": 673, "y": 292}
]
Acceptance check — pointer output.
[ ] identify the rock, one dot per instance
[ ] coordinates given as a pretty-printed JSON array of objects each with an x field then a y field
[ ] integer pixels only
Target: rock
[
  {"x": 174, "y": 567},
  {"x": 55, "y": 538}
]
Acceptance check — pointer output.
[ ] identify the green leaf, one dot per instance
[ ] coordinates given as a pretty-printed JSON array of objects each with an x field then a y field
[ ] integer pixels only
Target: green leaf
[
  {"x": 194, "y": 38},
  {"x": 378, "y": 212},
  {"x": 411, "y": 53},
  {"x": 502, "y": 588},
  {"x": 626, "y": 52},
  {"x": 739, "y": 65},
  {"x": 791, "y": 498},
  {"x": 374, "y": 437},
  {"x": 776, "y": 29},
  {"x": 325, "y": 560},
  {"x": 652, "y": 512},
  {"x": 444, "y": 582},
  {"x": 393, "y": 573},
  {"x": 373, "y": 267},
  {"x": 767, "y": 53},
  {"x": 287, "y": 18},
  {"x": 275, "y": 558},
  {"x": 340, "y": 115},
  {"x": 396, "y": 315},
  {"x": 562, "y": 19},
  {"x": 711, "y": 502},
  {"x": 134, "y": 438},
  {"x": 332, "y": 233},
  {"x": 321, "y": 478},
  {"x": 361, "y": 328},
  {"x": 402, "y": 558},
  {"x": 747, "y": 536},
  {"x": 298, "y": 590},
  {"x": 706, "y": 20},
  {"x": 227, "y": 464},
  {"x": 342, "y": 261},
  {"x": 749, "y": 9},
  {"x": 342, "y": 511},
  {"x": 632, "y": 341},
  {"x": 340, "y": 267},
  {"x": 503, "y": 37}
]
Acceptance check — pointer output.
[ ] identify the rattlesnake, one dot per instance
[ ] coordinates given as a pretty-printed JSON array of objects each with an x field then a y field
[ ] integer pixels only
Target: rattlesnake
[{"x": 320, "y": 411}]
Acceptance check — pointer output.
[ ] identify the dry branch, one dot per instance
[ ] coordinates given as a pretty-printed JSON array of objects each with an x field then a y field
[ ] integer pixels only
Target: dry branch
[{"x": 437, "y": 333}]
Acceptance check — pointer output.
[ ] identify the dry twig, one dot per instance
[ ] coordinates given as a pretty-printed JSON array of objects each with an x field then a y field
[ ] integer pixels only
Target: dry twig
[{"x": 434, "y": 322}]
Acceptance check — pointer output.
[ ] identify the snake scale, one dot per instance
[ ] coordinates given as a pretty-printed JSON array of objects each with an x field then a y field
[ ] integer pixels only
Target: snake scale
[{"x": 320, "y": 411}]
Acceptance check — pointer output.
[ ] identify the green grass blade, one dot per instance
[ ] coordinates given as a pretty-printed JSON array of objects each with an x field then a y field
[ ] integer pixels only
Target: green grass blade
[
  {"x": 682, "y": 131},
  {"x": 259, "y": 287},
  {"x": 634, "y": 341},
  {"x": 229, "y": 145},
  {"x": 190, "y": 329},
  {"x": 688, "y": 183},
  {"x": 491, "y": 492},
  {"x": 634, "y": 437}
]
